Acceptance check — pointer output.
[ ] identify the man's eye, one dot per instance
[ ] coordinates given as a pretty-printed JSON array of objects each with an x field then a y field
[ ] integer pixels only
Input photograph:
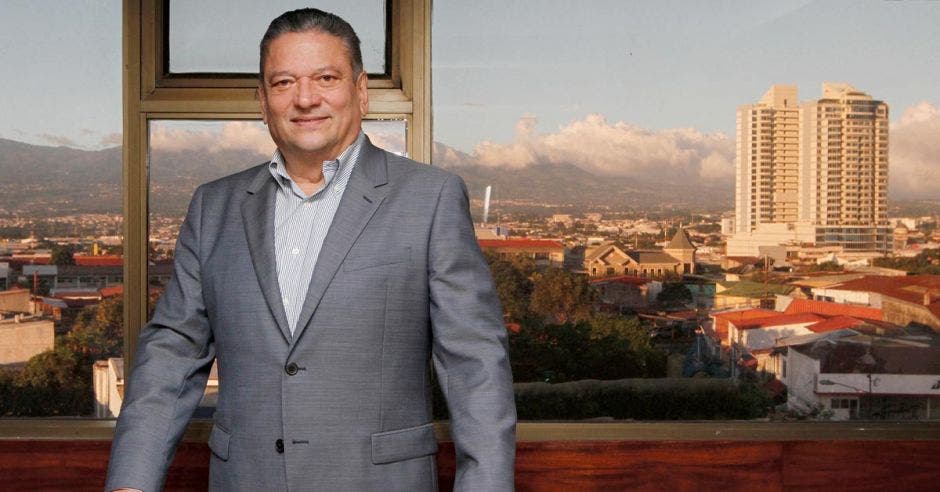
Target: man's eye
[
  {"x": 280, "y": 83},
  {"x": 329, "y": 79}
]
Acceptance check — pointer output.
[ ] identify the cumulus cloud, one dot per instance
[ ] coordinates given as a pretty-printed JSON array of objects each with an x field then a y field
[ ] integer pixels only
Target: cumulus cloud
[
  {"x": 914, "y": 153},
  {"x": 249, "y": 136},
  {"x": 615, "y": 149}
]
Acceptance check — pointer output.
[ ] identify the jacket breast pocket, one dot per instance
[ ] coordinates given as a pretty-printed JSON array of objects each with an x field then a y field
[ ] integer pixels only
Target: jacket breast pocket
[
  {"x": 389, "y": 257},
  {"x": 403, "y": 444},
  {"x": 219, "y": 440}
]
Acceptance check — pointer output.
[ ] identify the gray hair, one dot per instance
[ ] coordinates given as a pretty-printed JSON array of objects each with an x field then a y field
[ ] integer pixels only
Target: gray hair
[{"x": 310, "y": 19}]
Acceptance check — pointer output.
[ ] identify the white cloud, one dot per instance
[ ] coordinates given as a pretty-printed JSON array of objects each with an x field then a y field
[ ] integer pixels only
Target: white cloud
[
  {"x": 212, "y": 137},
  {"x": 914, "y": 153},
  {"x": 615, "y": 149}
]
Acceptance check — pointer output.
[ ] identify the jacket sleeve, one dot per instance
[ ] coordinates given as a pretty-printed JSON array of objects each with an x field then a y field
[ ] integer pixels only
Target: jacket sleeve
[
  {"x": 469, "y": 348},
  {"x": 174, "y": 354}
]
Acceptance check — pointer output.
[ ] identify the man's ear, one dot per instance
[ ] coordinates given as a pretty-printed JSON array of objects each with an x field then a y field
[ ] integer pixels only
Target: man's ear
[
  {"x": 259, "y": 94},
  {"x": 362, "y": 87}
]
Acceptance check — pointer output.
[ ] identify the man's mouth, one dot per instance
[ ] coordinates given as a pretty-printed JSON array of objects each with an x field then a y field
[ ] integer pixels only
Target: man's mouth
[{"x": 309, "y": 120}]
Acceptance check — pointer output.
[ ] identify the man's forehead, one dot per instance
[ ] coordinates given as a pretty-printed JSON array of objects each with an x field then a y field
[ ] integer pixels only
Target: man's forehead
[{"x": 315, "y": 41}]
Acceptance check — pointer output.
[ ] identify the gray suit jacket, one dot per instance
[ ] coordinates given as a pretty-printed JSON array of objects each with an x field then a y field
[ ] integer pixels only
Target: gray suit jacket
[{"x": 343, "y": 404}]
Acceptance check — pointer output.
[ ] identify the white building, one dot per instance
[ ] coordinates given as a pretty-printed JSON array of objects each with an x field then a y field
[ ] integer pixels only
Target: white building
[
  {"x": 865, "y": 377},
  {"x": 813, "y": 173}
]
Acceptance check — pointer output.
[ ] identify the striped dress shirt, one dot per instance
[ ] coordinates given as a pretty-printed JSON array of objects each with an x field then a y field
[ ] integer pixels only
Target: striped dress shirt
[{"x": 301, "y": 223}]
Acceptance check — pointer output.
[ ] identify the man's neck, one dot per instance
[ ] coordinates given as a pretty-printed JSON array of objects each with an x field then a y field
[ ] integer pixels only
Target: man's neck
[{"x": 307, "y": 169}]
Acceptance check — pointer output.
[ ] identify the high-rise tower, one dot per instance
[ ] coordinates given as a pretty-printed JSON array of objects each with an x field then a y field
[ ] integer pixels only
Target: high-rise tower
[
  {"x": 812, "y": 173},
  {"x": 767, "y": 160},
  {"x": 844, "y": 155}
]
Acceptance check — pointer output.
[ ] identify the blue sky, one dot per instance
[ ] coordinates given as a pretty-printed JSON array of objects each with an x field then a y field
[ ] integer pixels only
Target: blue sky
[
  {"x": 657, "y": 65},
  {"x": 667, "y": 64}
]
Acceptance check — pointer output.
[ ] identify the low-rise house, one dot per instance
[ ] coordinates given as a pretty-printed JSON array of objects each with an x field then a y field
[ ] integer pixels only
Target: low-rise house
[
  {"x": 745, "y": 294},
  {"x": 904, "y": 300},
  {"x": 23, "y": 336},
  {"x": 865, "y": 376},
  {"x": 609, "y": 259},
  {"x": 545, "y": 252},
  {"x": 626, "y": 293}
]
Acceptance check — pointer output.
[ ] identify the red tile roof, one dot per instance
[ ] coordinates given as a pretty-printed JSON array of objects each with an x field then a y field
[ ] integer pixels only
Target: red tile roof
[
  {"x": 520, "y": 243},
  {"x": 723, "y": 318},
  {"x": 100, "y": 260},
  {"x": 912, "y": 288},
  {"x": 780, "y": 320},
  {"x": 833, "y": 324},
  {"x": 114, "y": 291},
  {"x": 832, "y": 309}
]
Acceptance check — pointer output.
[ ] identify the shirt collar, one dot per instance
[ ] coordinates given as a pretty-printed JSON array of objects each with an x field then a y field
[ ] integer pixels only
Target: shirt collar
[{"x": 330, "y": 168}]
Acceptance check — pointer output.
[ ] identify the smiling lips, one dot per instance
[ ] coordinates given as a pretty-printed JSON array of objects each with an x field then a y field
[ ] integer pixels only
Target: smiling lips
[{"x": 309, "y": 120}]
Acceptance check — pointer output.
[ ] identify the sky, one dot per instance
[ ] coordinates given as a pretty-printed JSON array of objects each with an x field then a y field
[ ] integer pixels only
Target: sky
[{"x": 617, "y": 87}]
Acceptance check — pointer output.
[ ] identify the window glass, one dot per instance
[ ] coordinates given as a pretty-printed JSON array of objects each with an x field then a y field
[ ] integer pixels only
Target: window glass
[
  {"x": 661, "y": 190},
  {"x": 61, "y": 330},
  {"x": 187, "y": 153},
  {"x": 221, "y": 36}
]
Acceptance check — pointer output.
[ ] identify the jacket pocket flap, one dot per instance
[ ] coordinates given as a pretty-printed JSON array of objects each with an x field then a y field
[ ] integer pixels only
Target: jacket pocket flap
[
  {"x": 389, "y": 257},
  {"x": 218, "y": 441},
  {"x": 403, "y": 444}
]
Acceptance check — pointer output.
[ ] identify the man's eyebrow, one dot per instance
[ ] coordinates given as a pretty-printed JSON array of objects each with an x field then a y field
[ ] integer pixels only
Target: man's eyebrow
[{"x": 318, "y": 71}]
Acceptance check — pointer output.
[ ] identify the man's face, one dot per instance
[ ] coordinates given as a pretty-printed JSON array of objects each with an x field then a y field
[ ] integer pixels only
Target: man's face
[{"x": 310, "y": 100}]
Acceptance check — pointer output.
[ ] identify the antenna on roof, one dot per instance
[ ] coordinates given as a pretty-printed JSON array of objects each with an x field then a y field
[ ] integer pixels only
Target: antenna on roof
[{"x": 486, "y": 204}]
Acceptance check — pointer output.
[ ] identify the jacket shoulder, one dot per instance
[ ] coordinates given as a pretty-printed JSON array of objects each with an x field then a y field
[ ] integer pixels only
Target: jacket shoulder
[{"x": 240, "y": 180}]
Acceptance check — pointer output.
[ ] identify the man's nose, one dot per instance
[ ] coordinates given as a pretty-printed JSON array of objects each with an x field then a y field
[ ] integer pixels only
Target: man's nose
[{"x": 308, "y": 94}]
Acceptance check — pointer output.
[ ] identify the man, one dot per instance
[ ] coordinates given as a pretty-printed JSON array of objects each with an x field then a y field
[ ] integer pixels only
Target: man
[{"x": 322, "y": 283}]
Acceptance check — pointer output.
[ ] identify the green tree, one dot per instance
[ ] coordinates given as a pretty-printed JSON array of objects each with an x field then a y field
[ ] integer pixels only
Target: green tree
[
  {"x": 63, "y": 255},
  {"x": 512, "y": 278},
  {"x": 674, "y": 294},
  {"x": 562, "y": 296}
]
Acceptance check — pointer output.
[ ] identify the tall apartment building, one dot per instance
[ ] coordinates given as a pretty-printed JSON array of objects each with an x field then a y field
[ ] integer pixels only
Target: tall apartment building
[
  {"x": 768, "y": 160},
  {"x": 812, "y": 173},
  {"x": 844, "y": 154}
]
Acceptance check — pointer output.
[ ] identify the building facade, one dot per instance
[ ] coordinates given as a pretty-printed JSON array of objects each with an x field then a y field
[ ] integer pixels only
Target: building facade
[{"x": 814, "y": 173}]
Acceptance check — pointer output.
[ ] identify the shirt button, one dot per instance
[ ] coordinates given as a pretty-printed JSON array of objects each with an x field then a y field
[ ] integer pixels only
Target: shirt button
[
  {"x": 286, "y": 301},
  {"x": 295, "y": 251},
  {"x": 279, "y": 446}
]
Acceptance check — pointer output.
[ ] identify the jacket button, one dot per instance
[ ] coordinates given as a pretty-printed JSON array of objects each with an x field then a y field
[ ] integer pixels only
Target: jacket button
[
  {"x": 279, "y": 445},
  {"x": 291, "y": 369}
]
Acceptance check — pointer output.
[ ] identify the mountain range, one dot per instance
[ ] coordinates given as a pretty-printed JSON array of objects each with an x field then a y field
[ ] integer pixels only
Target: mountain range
[{"x": 43, "y": 180}]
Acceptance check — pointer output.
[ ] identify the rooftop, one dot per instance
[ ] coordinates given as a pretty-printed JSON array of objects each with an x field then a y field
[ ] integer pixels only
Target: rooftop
[
  {"x": 520, "y": 243},
  {"x": 779, "y": 320},
  {"x": 832, "y": 309},
  {"x": 680, "y": 241}
]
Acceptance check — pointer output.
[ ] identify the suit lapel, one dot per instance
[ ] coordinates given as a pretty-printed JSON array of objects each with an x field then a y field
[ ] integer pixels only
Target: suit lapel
[
  {"x": 258, "y": 217},
  {"x": 364, "y": 192}
]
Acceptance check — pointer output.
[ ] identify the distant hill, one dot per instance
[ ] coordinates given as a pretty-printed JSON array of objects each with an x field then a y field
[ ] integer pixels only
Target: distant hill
[
  {"x": 565, "y": 184},
  {"x": 37, "y": 179}
]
